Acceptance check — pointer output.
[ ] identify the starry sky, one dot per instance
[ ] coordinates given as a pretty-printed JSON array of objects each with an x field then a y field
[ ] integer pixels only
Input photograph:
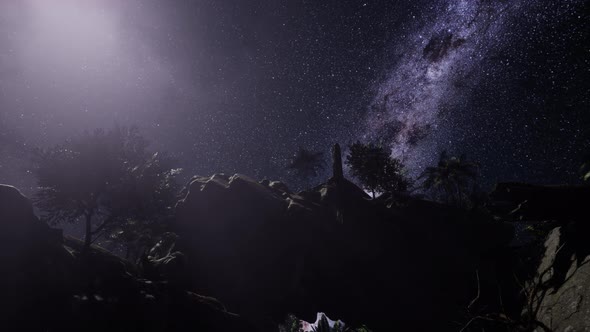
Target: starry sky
[{"x": 237, "y": 86}]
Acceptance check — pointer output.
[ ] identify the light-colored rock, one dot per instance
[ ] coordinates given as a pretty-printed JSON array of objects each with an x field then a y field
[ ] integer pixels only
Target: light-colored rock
[{"x": 564, "y": 274}]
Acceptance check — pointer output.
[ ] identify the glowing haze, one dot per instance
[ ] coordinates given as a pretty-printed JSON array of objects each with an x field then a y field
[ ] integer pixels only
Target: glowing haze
[{"x": 74, "y": 65}]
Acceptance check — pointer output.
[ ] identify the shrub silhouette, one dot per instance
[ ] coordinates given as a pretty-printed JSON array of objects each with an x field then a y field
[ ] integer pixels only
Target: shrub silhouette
[
  {"x": 373, "y": 166},
  {"x": 307, "y": 164},
  {"x": 450, "y": 178}
]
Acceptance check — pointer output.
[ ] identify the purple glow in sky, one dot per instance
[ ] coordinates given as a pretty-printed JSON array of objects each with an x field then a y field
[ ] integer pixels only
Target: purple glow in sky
[
  {"x": 74, "y": 64},
  {"x": 238, "y": 86}
]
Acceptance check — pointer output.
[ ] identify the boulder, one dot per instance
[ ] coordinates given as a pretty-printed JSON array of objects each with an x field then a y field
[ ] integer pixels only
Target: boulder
[
  {"x": 239, "y": 244},
  {"x": 560, "y": 293},
  {"x": 29, "y": 250},
  {"x": 19, "y": 225}
]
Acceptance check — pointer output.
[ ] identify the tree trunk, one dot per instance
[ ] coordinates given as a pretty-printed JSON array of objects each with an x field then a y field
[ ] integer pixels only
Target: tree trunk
[{"x": 88, "y": 237}]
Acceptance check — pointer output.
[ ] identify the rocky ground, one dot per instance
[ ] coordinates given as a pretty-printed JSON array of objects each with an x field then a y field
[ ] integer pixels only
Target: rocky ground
[
  {"x": 47, "y": 284},
  {"x": 264, "y": 252}
]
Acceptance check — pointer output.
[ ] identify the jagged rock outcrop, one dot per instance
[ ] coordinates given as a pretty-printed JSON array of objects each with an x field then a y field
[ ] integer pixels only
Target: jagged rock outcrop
[
  {"x": 265, "y": 251},
  {"x": 555, "y": 295}
]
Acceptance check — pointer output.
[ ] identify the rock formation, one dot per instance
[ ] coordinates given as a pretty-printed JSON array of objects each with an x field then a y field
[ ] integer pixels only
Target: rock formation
[
  {"x": 562, "y": 286},
  {"x": 557, "y": 293},
  {"x": 265, "y": 251}
]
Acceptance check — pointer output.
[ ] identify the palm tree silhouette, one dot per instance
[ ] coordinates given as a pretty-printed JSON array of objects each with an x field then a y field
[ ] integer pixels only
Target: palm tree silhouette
[
  {"x": 307, "y": 164},
  {"x": 450, "y": 178}
]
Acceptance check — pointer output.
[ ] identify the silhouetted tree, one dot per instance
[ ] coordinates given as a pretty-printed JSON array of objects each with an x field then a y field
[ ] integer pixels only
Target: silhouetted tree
[
  {"x": 393, "y": 177},
  {"x": 450, "y": 178},
  {"x": 373, "y": 166},
  {"x": 307, "y": 164},
  {"x": 291, "y": 324},
  {"x": 144, "y": 208},
  {"x": 105, "y": 179}
]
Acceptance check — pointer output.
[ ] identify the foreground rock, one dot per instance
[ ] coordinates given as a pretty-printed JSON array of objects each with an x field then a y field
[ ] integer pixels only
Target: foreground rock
[
  {"x": 559, "y": 295},
  {"x": 556, "y": 294},
  {"x": 265, "y": 251},
  {"x": 47, "y": 285}
]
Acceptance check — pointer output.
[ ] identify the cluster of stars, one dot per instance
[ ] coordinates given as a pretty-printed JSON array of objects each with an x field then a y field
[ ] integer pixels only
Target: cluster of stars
[{"x": 234, "y": 86}]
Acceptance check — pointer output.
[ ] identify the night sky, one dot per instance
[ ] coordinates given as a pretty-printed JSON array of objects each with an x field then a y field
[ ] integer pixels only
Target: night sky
[{"x": 237, "y": 86}]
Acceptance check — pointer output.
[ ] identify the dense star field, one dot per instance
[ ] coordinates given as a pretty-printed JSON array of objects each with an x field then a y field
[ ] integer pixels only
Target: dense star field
[{"x": 238, "y": 86}]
